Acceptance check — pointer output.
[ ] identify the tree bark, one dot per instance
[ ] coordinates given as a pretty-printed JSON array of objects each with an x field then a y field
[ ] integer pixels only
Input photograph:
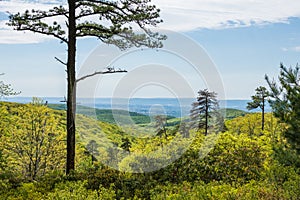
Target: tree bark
[
  {"x": 71, "y": 101},
  {"x": 263, "y": 114},
  {"x": 206, "y": 115}
]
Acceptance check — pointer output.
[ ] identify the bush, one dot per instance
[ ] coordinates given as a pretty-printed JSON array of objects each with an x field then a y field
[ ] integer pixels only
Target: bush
[{"x": 78, "y": 191}]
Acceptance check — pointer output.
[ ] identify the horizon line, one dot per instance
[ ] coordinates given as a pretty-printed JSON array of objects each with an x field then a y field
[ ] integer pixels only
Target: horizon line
[{"x": 12, "y": 97}]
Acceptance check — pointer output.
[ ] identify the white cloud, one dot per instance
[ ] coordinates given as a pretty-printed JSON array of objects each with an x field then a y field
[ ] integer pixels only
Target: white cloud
[
  {"x": 14, "y": 6},
  {"x": 215, "y": 14},
  {"x": 181, "y": 15},
  {"x": 14, "y": 37},
  {"x": 8, "y": 35},
  {"x": 296, "y": 49}
]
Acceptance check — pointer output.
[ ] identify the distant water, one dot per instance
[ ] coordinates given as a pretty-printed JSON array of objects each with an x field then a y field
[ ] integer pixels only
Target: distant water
[{"x": 148, "y": 106}]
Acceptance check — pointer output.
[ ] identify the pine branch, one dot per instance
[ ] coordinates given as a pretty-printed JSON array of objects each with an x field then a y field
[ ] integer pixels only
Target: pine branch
[
  {"x": 93, "y": 29},
  {"x": 109, "y": 71},
  {"x": 33, "y": 22},
  {"x": 118, "y": 14},
  {"x": 41, "y": 31}
]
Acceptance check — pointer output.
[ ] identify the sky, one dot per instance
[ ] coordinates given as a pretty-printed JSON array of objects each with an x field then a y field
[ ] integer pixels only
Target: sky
[{"x": 239, "y": 40}]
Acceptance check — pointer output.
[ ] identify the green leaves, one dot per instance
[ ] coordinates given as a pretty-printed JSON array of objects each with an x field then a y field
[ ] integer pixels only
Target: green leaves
[
  {"x": 34, "y": 141},
  {"x": 237, "y": 166}
]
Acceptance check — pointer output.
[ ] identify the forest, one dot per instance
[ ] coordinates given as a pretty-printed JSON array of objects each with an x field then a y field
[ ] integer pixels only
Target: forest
[{"x": 154, "y": 160}]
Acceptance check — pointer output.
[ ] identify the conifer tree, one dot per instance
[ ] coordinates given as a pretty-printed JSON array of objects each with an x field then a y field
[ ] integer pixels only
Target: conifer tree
[
  {"x": 284, "y": 100},
  {"x": 259, "y": 101},
  {"x": 126, "y": 144},
  {"x": 92, "y": 147},
  {"x": 203, "y": 109},
  {"x": 160, "y": 125},
  {"x": 109, "y": 21}
]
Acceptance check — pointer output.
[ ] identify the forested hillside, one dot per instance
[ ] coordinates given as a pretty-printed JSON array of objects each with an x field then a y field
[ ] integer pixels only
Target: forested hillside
[{"x": 241, "y": 163}]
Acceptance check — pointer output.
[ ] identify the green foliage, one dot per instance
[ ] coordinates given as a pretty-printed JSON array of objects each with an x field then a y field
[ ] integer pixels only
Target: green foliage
[
  {"x": 285, "y": 155},
  {"x": 258, "y": 101},
  {"x": 203, "y": 110},
  {"x": 32, "y": 139},
  {"x": 250, "y": 124},
  {"x": 126, "y": 144},
  {"x": 78, "y": 191},
  {"x": 105, "y": 115},
  {"x": 117, "y": 30},
  {"x": 285, "y": 101},
  {"x": 122, "y": 115},
  {"x": 112, "y": 23},
  {"x": 92, "y": 147},
  {"x": 217, "y": 190},
  {"x": 234, "y": 159},
  {"x": 242, "y": 163},
  {"x": 230, "y": 113},
  {"x": 160, "y": 125}
]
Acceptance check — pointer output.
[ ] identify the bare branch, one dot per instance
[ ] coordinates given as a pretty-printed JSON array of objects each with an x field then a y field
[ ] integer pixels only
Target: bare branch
[
  {"x": 109, "y": 70},
  {"x": 64, "y": 101},
  {"x": 59, "y": 60}
]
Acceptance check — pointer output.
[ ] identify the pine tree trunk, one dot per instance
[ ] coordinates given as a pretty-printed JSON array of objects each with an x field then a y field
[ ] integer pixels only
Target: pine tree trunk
[
  {"x": 206, "y": 115},
  {"x": 71, "y": 101},
  {"x": 263, "y": 114}
]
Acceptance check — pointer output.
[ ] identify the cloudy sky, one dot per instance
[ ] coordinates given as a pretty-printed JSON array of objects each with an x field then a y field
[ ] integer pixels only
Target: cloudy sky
[{"x": 245, "y": 39}]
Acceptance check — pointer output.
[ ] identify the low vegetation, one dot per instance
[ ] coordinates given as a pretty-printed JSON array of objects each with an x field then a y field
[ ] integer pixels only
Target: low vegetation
[{"x": 243, "y": 162}]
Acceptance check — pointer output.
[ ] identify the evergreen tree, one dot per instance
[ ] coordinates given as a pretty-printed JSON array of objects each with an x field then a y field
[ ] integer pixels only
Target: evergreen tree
[
  {"x": 259, "y": 100},
  {"x": 92, "y": 147},
  {"x": 184, "y": 129},
  {"x": 203, "y": 109},
  {"x": 160, "y": 125},
  {"x": 284, "y": 100},
  {"x": 113, "y": 25}
]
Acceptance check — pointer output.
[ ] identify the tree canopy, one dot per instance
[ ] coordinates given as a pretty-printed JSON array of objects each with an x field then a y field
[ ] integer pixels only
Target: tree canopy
[
  {"x": 259, "y": 101},
  {"x": 112, "y": 22},
  {"x": 203, "y": 109},
  {"x": 284, "y": 100}
]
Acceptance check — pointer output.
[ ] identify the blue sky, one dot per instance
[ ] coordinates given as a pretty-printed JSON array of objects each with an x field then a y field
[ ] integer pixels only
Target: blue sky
[{"x": 245, "y": 39}]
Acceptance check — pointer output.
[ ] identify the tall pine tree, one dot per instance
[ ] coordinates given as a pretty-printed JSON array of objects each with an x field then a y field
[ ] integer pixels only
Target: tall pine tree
[
  {"x": 259, "y": 101},
  {"x": 203, "y": 109},
  {"x": 284, "y": 100},
  {"x": 109, "y": 21}
]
